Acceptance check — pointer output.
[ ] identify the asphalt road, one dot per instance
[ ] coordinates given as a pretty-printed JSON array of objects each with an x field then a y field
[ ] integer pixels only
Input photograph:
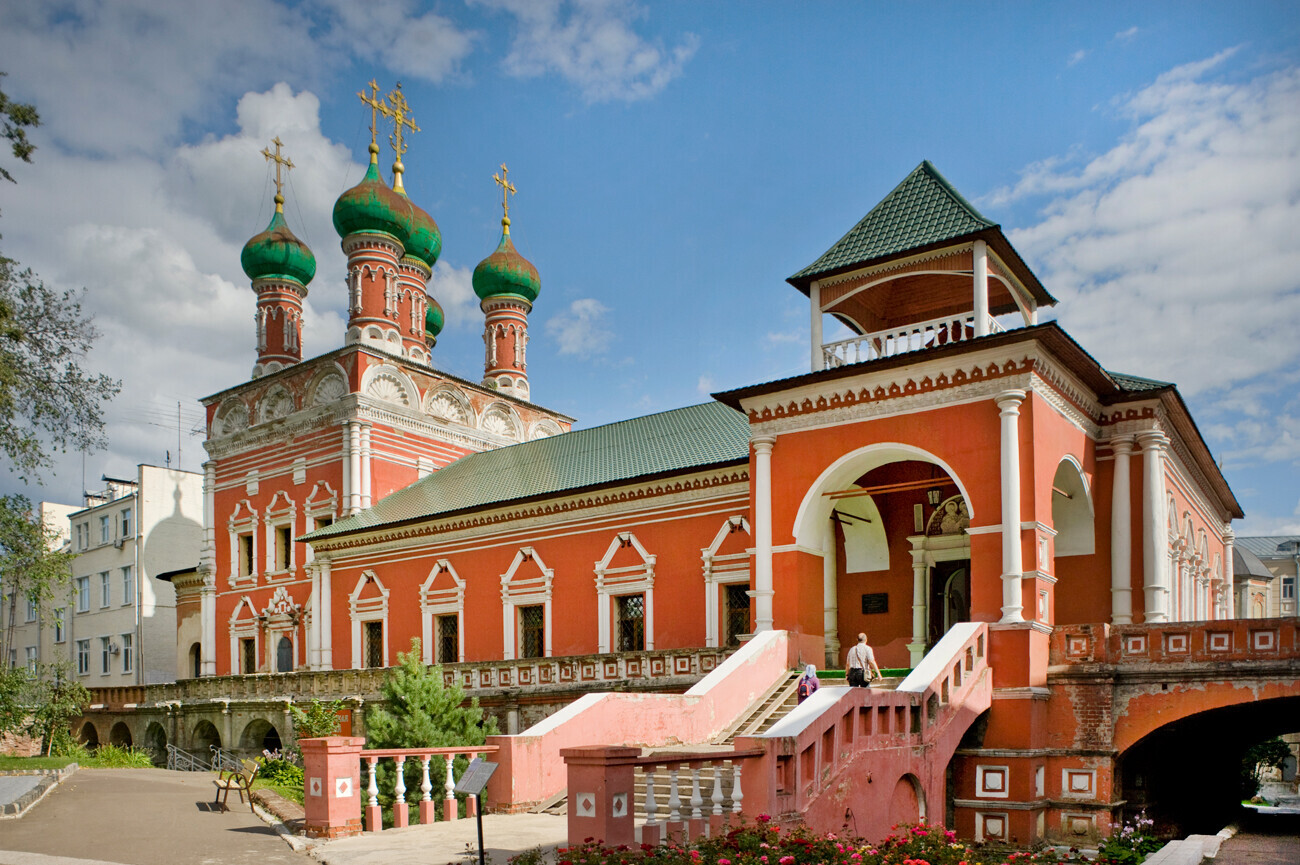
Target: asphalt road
[
  {"x": 1264, "y": 839},
  {"x": 142, "y": 817}
]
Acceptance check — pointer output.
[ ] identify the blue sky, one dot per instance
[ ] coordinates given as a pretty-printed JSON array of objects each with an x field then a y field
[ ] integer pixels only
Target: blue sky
[{"x": 675, "y": 162}]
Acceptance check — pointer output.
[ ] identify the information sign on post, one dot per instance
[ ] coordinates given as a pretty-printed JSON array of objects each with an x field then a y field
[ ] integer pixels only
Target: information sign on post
[{"x": 472, "y": 782}]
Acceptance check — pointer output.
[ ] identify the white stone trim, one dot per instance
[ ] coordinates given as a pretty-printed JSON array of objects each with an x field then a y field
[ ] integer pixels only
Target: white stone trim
[
  {"x": 629, "y": 580},
  {"x": 367, "y": 610},
  {"x": 441, "y": 602},
  {"x": 720, "y": 571},
  {"x": 525, "y": 592}
]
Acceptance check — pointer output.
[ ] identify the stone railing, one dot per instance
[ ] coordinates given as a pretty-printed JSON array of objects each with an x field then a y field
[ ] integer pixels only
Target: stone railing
[
  {"x": 446, "y": 760},
  {"x": 666, "y": 668},
  {"x": 900, "y": 340},
  {"x": 1073, "y": 646}
]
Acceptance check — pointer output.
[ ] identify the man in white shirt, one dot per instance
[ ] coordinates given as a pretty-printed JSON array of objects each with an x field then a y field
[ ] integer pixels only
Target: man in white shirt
[{"x": 861, "y": 663}]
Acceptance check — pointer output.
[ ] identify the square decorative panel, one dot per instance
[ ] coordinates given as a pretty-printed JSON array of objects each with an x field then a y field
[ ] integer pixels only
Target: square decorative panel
[
  {"x": 634, "y": 668},
  {"x": 588, "y": 672},
  {"x": 1176, "y": 644},
  {"x": 1135, "y": 644},
  {"x": 611, "y": 669},
  {"x": 992, "y": 781},
  {"x": 1221, "y": 642},
  {"x": 707, "y": 663},
  {"x": 657, "y": 667},
  {"x": 1263, "y": 641},
  {"x": 586, "y": 803},
  {"x": 990, "y": 827},
  {"x": 1078, "y": 782},
  {"x": 1079, "y": 824},
  {"x": 1078, "y": 645},
  {"x": 503, "y": 677},
  {"x": 681, "y": 665},
  {"x": 618, "y": 805},
  {"x": 545, "y": 674},
  {"x": 342, "y": 788},
  {"x": 525, "y": 676},
  {"x": 313, "y": 786}
]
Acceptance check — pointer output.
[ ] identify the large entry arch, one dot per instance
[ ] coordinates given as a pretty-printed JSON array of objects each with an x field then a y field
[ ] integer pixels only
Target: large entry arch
[{"x": 870, "y": 514}]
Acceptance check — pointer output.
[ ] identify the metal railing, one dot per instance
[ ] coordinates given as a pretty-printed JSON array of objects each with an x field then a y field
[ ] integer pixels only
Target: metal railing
[{"x": 184, "y": 761}]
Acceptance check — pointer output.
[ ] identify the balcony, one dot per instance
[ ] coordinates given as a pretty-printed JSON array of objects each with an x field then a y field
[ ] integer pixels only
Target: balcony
[{"x": 915, "y": 336}]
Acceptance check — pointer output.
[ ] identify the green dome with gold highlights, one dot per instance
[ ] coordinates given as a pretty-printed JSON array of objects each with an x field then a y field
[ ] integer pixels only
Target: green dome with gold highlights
[
  {"x": 371, "y": 207},
  {"x": 277, "y": 253},
  {"x": 433, "y": 319},
  {"x": 425, "y": 244},
  {"x": 506, "y": 272}
]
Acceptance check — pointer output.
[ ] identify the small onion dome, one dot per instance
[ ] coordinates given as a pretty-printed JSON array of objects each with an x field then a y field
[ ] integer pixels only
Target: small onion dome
[
  {"x": 277, "y": 253},
  {"x": 372, "y": 207},
  {"x": 506, "y": 272},
  {"x": 433, "y": 319},
  {"x": 425, "y": 244}
]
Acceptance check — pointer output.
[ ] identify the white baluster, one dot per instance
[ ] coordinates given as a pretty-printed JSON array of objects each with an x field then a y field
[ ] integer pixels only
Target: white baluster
[
  {"x": 651, "y": 807},
  {"x": 425, "y": 786},
  {"x": 450, "y": 785},
  {"x": 373, "y": 789},
  {"x": 674, "y": 801},
  {"x": 736, "y": 795},
  {"x": 696, "y": 800},
  {"x": 717, "y": 789},
  {"x": 399, "y": 786}
]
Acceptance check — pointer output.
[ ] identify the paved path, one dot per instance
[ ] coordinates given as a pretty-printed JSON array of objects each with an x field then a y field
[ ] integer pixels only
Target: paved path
[
  {"x": 1264, "y": 839},
  {"x": 503, "y": 836},
  {"x": 140, "y": 817}
]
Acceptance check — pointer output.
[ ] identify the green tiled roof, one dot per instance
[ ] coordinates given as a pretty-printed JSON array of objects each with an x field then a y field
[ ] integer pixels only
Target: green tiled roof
[
  {"x": 670, "y": 441},
  {"x": 922, "y": 210},
  {"x": 1137, "y": 383}
]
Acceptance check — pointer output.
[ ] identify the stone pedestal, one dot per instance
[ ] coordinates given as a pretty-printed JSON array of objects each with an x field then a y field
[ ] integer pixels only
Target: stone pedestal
[
  {"x": 601, "y": 794},
  {"x": 332, "y": 786}
]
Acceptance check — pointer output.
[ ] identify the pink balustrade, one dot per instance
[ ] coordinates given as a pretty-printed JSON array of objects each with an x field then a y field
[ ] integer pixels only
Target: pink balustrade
[{"x": 1176, "y": 642}]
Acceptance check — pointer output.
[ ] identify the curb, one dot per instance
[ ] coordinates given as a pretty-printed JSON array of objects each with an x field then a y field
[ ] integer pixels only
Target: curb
[
  {"x": 51, "y": 779},
  {"x": 298, "y": 845}
]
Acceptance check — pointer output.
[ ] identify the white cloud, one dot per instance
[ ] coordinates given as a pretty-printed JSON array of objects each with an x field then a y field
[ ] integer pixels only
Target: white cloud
[
  {"x": 1076, "y": 57},
  {"x": 453, "y": 288},
  {"x": 580, "y": 330},
  {"x": 1126, "y": 35},
  {"x": 705, "y": 385},
  {"x": 390, "y": 32},
  {"x": 592, "y": 44}
]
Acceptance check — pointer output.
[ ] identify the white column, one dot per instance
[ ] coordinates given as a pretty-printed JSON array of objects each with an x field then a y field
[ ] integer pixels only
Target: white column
[
  {"x": 1012, "y": 565},
  {"x": 354, "y": 460},
  {"x": 323, "y": 613},
  {"x": 1121, "y": 535},
  {"x": 208, "y": 556},
  {"x": 1229, "y": 584},
  {"x": 365, "y": 465},
  {"x": 980, "y": 255},
  {"x": 1155, "y": 543},
  {"x": 207, "y": 626},
  {"x": 313, "y": 626},
  {"x": 345, "y": 495},
  {"x": 830, "y": 592},
  {"x": 815, "y": 301},
  {"x": 762, "y": 592},
  {"x": 920, "y": 600}
]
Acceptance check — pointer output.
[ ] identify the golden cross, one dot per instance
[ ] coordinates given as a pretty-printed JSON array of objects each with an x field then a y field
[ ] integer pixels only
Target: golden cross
[
  {"x": 279, "y": 161},
  {"x": 507, "y": 188},
  {"x": 377, "y": 107},
  {"x": 400, "y": 111}
]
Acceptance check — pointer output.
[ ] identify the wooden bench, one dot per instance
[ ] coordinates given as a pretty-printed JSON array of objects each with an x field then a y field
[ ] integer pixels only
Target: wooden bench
[{"x": 241, "y": 781}]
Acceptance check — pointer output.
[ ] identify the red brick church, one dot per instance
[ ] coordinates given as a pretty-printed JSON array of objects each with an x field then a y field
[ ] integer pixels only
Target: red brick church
[{"x": 952, "y": 460}]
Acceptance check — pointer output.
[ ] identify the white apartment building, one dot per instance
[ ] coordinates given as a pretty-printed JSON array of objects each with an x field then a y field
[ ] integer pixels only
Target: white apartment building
[{"x": 117, "y": 623}]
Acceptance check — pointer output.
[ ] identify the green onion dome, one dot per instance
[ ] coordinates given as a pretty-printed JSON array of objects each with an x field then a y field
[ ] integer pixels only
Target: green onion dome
[
  {"x": 277, "y": 253},
  {"x": 506, "y": 272},
  {"x": 425, "y": 244},
  {"x": 372, "y": 207},
  {"x": 433, "y": 319}
]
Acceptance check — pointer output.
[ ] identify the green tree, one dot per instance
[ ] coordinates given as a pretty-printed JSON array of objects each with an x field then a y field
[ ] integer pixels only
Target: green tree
[
  {"x": 33, "y": 565},
  {"x": 15, "y": 117},
  {"x": 419, "y": 711},
  {"x": 55, "y": 698},
  {"x": 1271, "y": 753},
  {"x": 317, "y": 720}
]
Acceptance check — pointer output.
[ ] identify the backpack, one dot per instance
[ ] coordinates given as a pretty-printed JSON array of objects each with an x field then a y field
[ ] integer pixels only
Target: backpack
[{"x": 804, "y": 690}]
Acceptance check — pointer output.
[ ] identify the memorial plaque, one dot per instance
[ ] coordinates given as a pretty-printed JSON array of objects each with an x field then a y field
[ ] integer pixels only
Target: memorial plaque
[
  {"x": 875, "y": 603},
  {"x": 475, "y": 777}
]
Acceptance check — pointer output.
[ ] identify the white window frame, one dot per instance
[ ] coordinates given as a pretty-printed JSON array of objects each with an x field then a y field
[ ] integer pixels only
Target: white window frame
[
  {"x": 367, "y": 610},
  {"x": 83, "y": 594},
  {"x": 442, "y": 602},
  {"x": 60, "y": 624},
  {"x": 281, "y": 513},
  {"x": 127, "y": 647},
  {"x": 322, "y": 502},
  {"x": 525, "y": 592},
  {"x": 721, "y": 571},
  {"x": 243, "y": 629},
  {"x": 243, "y": 521},
  {"x": 83, "y": 657},
  {"x": 105, "y": 656},
  {"x": 282, "y": 616},
  {"x": 105, "y": 589},
  {"x": 32, "y": 610},
  {"x": 126, "y": 522},
  {"x": 105, "y": 529},
  {"x": 31, "y": 659},
  {"x": 627, "y": 580},
  {"x": 128, "y": 585}
]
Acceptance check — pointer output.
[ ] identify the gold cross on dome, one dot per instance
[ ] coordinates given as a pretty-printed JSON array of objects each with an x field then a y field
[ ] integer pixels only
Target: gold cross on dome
[
  {"x": 377, "y": 107},
  {"x": 400, "y": 112},
  {"x": 280, "y": 161},
  {"x": 507, "y": 188}
]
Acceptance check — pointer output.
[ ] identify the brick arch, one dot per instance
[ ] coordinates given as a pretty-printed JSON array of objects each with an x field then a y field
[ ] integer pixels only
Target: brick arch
[{"x": 1153, "y": 709}]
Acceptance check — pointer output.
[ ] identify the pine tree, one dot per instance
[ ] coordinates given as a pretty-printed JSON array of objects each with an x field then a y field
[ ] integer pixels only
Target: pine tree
[{"x": 419, "y": 711}]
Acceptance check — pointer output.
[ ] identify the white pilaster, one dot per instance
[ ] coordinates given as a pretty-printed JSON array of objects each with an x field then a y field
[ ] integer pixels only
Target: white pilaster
[
  {"x": 1229, "y": 587},
  {"x": 762, "y": 592},
  {"x": 323, "y": 612},
  {"x": 1155, "y": 543},
  {"x": 815, "y": 303},
  {"x": 830, "y": 592},
  {"x": 365, "y": 465},
  {"x": 1121, "y": 535},
  {"x": 208, "y": 626},
  {"x": 345, "y": 494},
  {"x": 981, "y": 287},
  {"x": 920, "y": 598},
  {"x": 354, "y": 460},
  {"x": 208, "y": 556},
  {"x": 1012, "y": 563}
]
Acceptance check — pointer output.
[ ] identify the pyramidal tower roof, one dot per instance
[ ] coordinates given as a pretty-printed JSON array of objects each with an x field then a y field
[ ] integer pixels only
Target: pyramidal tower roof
[{"x": 922, "y": 212}]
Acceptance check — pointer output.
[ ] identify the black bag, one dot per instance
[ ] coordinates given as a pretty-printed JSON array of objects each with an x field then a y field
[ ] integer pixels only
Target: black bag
[{"x": 857, "y": 677}]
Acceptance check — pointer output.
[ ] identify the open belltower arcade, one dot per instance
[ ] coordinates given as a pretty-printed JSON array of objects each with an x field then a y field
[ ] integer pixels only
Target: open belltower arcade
[{"x": 1043, "y": 544}]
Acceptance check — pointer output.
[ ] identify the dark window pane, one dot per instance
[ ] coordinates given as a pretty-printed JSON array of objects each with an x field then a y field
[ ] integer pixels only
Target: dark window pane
[
  {"x": 448, "y": 640},
  {"x": 284, "y": 656},
  {"x": 631, "y": 623},
  {"x": 532, "y": 632},
  {"x": 736, "y": 620},
  {"x": 249, "y": 650},
  {"x": 374, "y": 644}
]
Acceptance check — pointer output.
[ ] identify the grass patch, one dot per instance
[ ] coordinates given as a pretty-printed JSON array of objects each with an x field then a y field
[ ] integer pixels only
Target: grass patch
[
  {"x": 292, "y": 792},
  {"x": 10, "y": 764},
  {"x": 889, "y": 673}
]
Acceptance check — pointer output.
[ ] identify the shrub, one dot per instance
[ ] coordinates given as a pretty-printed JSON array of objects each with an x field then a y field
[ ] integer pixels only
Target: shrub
[
  {"x": 279, "y": 771},
  {"x": 1130, "y": 845},
  {"x": 118, "y": 757}
]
